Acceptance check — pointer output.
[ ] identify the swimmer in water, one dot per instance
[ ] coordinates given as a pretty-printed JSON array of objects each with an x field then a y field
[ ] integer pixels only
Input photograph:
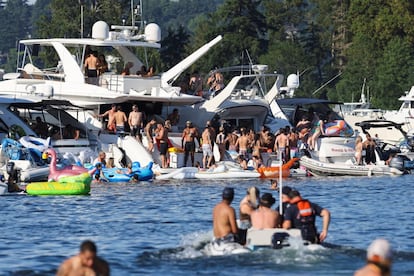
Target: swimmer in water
[{"x": 86, "y": 262}]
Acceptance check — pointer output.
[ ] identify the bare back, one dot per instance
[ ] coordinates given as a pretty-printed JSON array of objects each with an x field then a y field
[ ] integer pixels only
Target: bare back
[
  {"x": 120, "y": 118},
  {"x": 224, "y": 220},
  {"x": 264, "y": 218}
]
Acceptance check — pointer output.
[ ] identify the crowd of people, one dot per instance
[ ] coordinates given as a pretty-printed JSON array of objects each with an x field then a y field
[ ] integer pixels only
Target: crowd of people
[{"x": 256, "y": 211}]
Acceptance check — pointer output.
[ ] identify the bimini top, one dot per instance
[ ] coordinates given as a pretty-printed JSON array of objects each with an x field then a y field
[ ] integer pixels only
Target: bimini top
[{"x": 304, "y": 101}]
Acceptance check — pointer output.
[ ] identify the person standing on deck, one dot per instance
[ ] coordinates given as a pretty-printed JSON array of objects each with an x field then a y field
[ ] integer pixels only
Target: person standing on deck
[
  {"x": 120, "y": 119},
  {"x": 91, "y": 68},
  {"x": 111, "y": 126},
  {"x": 135, "y": 121},
  {"x": 188, "y": 137},
  {"x": 149, "y": 133},
  {"x": 162, "y": 137}
]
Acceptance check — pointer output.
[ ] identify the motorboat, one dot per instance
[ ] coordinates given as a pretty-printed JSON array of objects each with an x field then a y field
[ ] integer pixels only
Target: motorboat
[{"x": 405, "y": 114}]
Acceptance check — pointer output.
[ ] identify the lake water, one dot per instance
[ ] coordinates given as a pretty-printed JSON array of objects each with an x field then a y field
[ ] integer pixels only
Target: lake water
[{"x": 160, "y": 228}]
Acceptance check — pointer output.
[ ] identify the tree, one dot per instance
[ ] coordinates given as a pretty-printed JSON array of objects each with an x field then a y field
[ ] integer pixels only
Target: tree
[
  {"x": 173, "y": 47},
  {"x": 15, "y": 24}
]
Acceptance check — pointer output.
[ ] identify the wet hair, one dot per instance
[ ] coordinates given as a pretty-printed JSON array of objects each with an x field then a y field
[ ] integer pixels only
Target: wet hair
[
  {"x": 254, "y": 194},
  {"x": 88, "y": 245},
  {"x": 228, "y": 193}
]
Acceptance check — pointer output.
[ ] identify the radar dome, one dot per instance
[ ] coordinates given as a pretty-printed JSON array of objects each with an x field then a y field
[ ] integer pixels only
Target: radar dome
[
  {"x": 152, "y": 33},
  {"x": 100, "y": 30},
  {"x": 293, "y": 81}
]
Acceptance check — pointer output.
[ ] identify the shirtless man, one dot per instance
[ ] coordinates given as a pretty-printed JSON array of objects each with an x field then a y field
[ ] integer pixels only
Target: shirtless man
[
  {"x": 188, "y": 137},
  {"x": 91, "y": 65},
  {"x": 264, "y": 216},
  {"x": 111, "y": 118},
  {"x": 120, "y": 119},
  {"x": 207, "y": 148},
  {"x": 281, "y": 143},
  {"x": 135, "y": 122},
  {"x": 379, "y": 260},
  {"x": 162, "y": 137},
  {"x": 148, "y": 133},
  {"x": 85, "y": 263},
  {"x": 243, "y": 142},
  {"x": 224, "y": 218}
]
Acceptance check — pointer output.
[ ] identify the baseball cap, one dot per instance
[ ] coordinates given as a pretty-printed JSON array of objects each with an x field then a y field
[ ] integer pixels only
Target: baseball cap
[{"x": 380, "y": 248}]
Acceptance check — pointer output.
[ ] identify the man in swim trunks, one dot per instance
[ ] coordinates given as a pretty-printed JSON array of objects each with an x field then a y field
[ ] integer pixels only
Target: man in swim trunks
[
  {"x": 135, "y": 122},
  {"x": 188, "y": 137},
  {"x": 85, "y": 263},
  {"x": 378, "y": 259},
  {"x": 149, "y": 133},
  {"x": 91, "y": 65},
  {"x": 162, "y": 137},
  {"x": 281, "y": 143},
  {"x": 224, "y": 218},
  {"x": 120, "y": 119},
  {"x": 243, "y": 142},
  {"x": 207, "y": 148}
]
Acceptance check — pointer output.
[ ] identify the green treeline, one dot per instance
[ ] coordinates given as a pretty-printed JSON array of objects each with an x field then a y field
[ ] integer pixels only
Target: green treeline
[{"x": 334, "y": 45}]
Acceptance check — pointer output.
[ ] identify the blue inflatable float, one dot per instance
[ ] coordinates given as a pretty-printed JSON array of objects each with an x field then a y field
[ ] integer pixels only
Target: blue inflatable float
[{"x": 125, "y": 174}]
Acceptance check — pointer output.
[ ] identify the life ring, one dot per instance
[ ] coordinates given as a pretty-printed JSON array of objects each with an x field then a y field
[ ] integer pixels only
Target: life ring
[
  {"x": 16, "y": 131},
  {"x": 334, "y": 128}
]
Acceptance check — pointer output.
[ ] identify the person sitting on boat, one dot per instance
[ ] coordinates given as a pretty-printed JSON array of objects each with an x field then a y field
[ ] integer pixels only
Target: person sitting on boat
[
  {"x": 188, "y": 137},
  {"x": 127, "y": 69},
  {"x": 224, "y": 219},
  {"x": 174, "y": 118},
  {"x": 41, "y": 128},
  {"x": 255, "y": 163},
  {"x": 303, "y": 127},
  {"x": 247, "y": 205},
  {"x": 358, "y": 150},
  {"x": 142, "y": 72},
  {"x": 70, "y": 132},
  {"x": 86, "y": 262},
  {"x": 379, "y": 259},
  {"x": 369, "y": 147},
  {"x": 241, "y": 159},
  {"x": 264, "y": 217},
  {"x": 301, "y": 214}
]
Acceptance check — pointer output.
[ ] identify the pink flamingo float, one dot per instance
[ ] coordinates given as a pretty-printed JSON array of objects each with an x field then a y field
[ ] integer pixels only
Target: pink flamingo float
[{"x": 55, "y": 174}]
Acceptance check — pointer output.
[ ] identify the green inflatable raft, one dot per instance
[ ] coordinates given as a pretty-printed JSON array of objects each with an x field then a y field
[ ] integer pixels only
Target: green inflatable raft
[{"x": 69, "y": 185}]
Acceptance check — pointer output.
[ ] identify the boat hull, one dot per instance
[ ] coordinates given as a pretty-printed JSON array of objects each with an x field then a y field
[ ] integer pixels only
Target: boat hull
[{"x": 332, "y": 169}]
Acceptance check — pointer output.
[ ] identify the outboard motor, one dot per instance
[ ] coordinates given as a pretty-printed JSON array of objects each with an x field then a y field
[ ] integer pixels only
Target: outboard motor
[
  {"x": 279, "y": 239},
  {"x": 397, "y": 162},
  {"x": 13, "y": 178}
]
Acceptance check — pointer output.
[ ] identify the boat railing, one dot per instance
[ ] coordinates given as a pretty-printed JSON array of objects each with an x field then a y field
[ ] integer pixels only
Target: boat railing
[{"x": 123, "y": 84}]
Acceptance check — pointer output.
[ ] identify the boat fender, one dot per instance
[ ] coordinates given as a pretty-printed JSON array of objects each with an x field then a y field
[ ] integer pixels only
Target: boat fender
[{"x": 278, "y": 240}]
